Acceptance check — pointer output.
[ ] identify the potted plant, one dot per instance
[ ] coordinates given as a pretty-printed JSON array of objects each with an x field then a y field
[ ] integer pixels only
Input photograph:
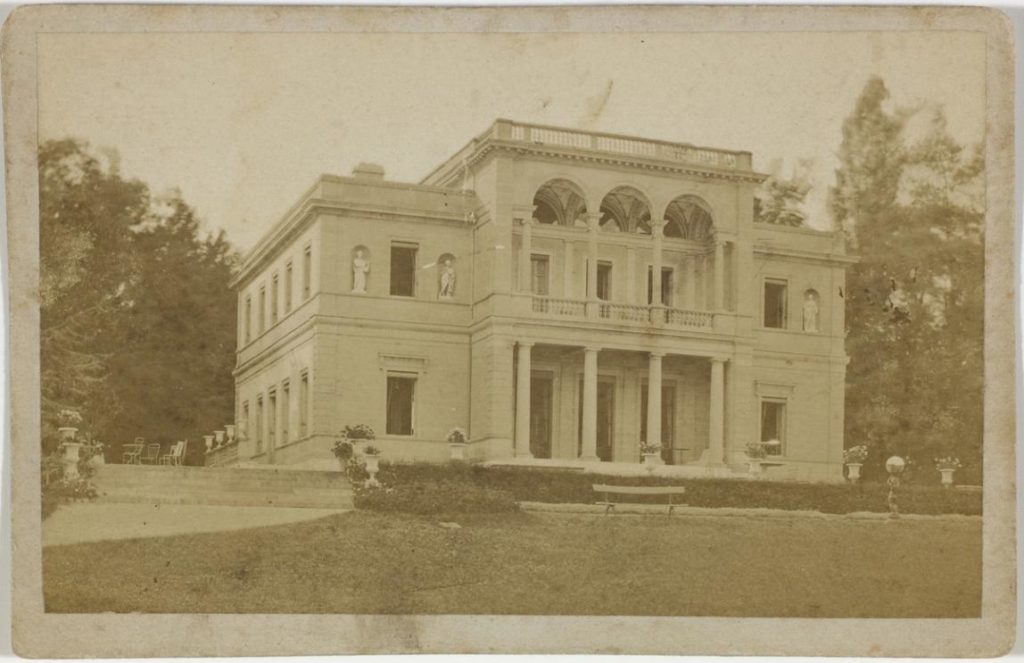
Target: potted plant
[
  {"x": 946, "y": 466},
  {"x": 68, "y": 423},
  {"x": 854, "y": 458},
  {"x": 343, "y": 451},
  {"x": 756, "y": 452},
  {"x": 651, "y": 453},
  {"x": 457, "y": 443},
  {"x": 372, "y": 457},
  {"x": 358, "y": 435}
]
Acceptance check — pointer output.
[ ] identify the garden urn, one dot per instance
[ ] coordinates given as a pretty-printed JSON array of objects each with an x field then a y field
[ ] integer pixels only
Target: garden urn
[
  {"x": 652, "y": 459},
  {"x": 755, "y": 467},
  {"x": 230, "y": 430},
  {"x": 947, "y": 476},
  {"x": 457, "y": 450},
  {"x": 219, "y": 434},
  {"x": 67, "y": 433},
  {"x": 853, "y": 471},
  {"x": 70, "y": 460},
  {"x": 208, "y": 439},
  {"x": 372, "y": 467}
]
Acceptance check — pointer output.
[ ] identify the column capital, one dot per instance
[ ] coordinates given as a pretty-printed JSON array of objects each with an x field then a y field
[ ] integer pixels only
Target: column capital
[
  {"x": 591, "y": 348},
  {"x": 658, "y": 228},
  {"x": 718, "y": 360},
  {"x": 593, "y": 220},
  {"x": 525, "y": 344},
  {"x": 525, "y": 221},
  {"x": 657, "y": 353}
]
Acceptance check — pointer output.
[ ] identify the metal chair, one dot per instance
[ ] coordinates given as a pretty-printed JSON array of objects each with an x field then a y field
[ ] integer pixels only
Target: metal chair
[
  {"x": 132, "y": 452},
  {"x": 152, "y": 454}
]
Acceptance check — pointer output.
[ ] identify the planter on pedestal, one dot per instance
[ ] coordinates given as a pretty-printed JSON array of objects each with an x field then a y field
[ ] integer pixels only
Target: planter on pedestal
[
  {"x": 457, "y": 450},
  {"x": 372, "y": 467},
  {"x": 652, "y": 459},
  {"x": 853, "y": 471},
  {"x": 230, "y": 430},
  {"x": 947, "y": 476},
  {"x": 67, "y": 433},
  {"x": 208, "y": 439},
  {"x": 754, "y": 467}
]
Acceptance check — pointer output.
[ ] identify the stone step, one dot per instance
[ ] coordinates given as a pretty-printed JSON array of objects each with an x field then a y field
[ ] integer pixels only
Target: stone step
[{"x": 223, "y": 486}]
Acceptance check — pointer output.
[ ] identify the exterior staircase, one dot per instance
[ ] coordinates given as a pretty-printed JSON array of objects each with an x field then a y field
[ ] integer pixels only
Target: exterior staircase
[{"x": 228, "y": 486}]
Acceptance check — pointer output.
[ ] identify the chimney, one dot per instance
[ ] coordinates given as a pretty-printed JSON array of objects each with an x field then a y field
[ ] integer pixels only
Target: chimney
[{"x": 368, "y": 171}]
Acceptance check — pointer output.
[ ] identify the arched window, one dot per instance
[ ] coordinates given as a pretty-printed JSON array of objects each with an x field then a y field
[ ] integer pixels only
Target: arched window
[
  {"x": 559, "y": 202},
  {"x": 689, "y": 217}
]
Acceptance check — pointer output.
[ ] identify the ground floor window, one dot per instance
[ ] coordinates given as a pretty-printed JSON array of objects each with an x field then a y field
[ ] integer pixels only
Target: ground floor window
[
  {"x": 401, "y": 404},
  {"x": 773, "y": 425},
  {"x": 303, "y": 403},
  {"x": 259, "y": 424}
]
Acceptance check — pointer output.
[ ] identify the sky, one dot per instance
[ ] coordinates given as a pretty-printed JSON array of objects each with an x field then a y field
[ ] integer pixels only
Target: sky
[{"x": 242, "y": 124}]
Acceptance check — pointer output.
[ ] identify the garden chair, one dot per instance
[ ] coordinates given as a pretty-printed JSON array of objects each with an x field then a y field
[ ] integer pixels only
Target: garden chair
[
  {"x": 177, "y": 454},
  {"x": 152, "y": 454},
  {"x": 132, "y": 453}
]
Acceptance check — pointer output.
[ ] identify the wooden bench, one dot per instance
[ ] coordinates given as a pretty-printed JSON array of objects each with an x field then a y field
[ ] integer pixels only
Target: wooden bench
[{"x": 608, "y": 491}]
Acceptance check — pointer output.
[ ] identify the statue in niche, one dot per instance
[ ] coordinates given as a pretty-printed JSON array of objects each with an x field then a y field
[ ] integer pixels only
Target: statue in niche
[
  {"x": 810, "y": 311},
  {"x": 447, "y": 290},
  {"x": 360, "y": 268}
]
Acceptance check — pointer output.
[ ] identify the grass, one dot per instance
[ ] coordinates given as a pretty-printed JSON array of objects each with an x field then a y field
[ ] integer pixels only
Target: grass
[{"x": 530, "y": 563}]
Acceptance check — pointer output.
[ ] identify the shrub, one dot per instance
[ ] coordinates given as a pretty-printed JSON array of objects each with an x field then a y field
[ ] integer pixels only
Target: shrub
[
  {"x": 342, "y": 450},
  {"x": 358, "y": 432},
  {"x": 552, "y": 485},
  {"x": 435, "y": 498}
]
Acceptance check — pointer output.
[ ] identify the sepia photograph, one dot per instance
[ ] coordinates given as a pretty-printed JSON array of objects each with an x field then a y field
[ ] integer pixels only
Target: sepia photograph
[{"x": 441, "y": 313}]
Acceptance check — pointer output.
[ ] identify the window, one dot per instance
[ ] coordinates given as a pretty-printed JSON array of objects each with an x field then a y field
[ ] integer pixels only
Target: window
[
  {"x": 403, "y": 270},
  {"x": 259, "y": 424},
  {"x": 773, "y": 425},
  {"x": 245, "y": 417},
  {"x": 303, "y": 403},
  {"x": 307, "y": 271},
  {"x": 286, "y": 404},
  {"x": 775, "y": 304},
  {"x": 604, "y": 280},
  {"x": 400, "y": 402},
  {"x": 248, "y": 318},
  {"x": 263, "y": 310},
  {"x": 272, "y": 419},
  {"x": 666, "y": 285},
  {"x": 539, "y": 268},
  {"x": 273, "y": 299},
  {"x": 288, "y": 287}
]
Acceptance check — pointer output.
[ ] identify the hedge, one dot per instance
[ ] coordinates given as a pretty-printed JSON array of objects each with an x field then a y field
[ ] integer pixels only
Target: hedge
[{"x": 563, "y": 486}]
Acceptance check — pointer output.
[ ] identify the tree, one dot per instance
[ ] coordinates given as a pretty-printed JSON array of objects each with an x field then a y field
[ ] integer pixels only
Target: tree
[
  {"x": 137, "y": 319},
  {"x": 915, "y": 299},
  {"x": 780, "y": 200}
]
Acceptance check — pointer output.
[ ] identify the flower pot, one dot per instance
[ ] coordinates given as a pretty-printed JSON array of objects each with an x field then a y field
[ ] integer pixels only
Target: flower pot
[
  {"x": 208, "y": 439},
  {"x": 853, "y": 471},
  {"x": 219, "y": 435},
  {"x": 67, "y": 433},
  {"x": 457, "y": 450},
  {"x": 652, "y": 459},
  {"x": 947, "y": 476},
  {"x": 754, "y": 467},
  {"x": 230, "y": 430},
  {"x": 70, "y": 460}
]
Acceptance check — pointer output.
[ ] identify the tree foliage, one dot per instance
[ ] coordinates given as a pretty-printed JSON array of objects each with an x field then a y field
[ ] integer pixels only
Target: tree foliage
[
  {"x": 913, "y": 207},
  {"x": 779, "y": 200},
  {"x": 137, "y": 319}
]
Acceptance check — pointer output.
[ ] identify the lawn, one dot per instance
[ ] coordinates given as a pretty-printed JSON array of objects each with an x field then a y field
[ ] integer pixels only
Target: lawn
[{"x": 532, "y": 563}]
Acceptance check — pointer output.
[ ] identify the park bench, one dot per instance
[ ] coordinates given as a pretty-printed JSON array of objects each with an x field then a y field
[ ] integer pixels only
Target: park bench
[{"x": 608, "y": 492}]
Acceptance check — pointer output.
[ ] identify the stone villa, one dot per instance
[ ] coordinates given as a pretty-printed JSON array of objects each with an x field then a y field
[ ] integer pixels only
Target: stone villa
[{"x": 532, "y": 289}]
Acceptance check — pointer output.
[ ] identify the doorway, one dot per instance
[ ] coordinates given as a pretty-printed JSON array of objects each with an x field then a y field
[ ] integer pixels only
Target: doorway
[{"x": 541, "y": 395}]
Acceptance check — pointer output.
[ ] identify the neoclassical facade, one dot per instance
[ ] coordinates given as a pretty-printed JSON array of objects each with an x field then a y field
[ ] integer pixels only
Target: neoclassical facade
[{"x": 561, "y": 295}]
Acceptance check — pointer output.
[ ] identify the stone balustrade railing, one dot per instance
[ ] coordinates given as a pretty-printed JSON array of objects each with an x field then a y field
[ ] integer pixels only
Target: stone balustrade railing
[{"x": 629, "y": 313}]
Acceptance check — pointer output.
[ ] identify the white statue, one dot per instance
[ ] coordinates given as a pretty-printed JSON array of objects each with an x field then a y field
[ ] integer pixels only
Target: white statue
[
  {"x": 810, "y": 312},
  {"x": 360, "y": 268},
  {"x": 447, "y": 280}
]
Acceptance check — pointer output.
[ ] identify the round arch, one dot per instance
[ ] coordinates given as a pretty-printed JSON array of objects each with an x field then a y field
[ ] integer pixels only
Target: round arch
[
  {"x": 689, "y": 217},
  {"x": 626, "y": 209},
  {"x": 559, "y": 201}
]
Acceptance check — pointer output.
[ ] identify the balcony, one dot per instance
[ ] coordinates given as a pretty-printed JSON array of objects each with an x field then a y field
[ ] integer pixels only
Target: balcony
[{"x": 554, "y": 307}]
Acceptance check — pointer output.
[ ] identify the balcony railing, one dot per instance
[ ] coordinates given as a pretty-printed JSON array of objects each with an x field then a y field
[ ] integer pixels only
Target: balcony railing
[
  {"x": 652, "y": 149},
  {"x": 628, "y": 313}
]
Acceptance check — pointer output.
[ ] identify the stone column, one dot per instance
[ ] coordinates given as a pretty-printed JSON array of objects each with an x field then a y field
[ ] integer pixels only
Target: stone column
[
  {"x": 525, "y": 250},
  {"x": 654, "y": 398},
  {"x": 592, "y": 230},
  {"x": 657, "y": 305},
  {"x": 716, "y": 421},
  {"x": 719, "y": 298},
  {"x": 522, "y": 444},
  {"x": 589, "y": 432}
]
